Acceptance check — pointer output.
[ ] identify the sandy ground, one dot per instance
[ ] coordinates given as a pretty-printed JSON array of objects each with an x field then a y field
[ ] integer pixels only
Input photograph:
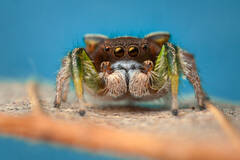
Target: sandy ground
[{"x": 195, "y": 123}]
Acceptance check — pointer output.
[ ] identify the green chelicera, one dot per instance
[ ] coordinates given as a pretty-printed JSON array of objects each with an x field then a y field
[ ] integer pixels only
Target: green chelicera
[{"x": 127, "y": 67}]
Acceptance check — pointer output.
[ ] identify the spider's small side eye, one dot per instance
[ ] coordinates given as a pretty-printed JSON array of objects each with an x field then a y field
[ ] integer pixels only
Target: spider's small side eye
[
  {"x": 144, "y": 46},
  {"x": 133, "y": 51},
  {"x": 119, "y": 52},
  {"x": 106, "y": 49}
]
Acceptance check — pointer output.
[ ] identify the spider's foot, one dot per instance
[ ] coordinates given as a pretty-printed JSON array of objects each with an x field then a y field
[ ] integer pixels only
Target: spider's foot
[
  {"x": 83, "y": 108},
  {"x": 175, "y": 112},
  {"x": 82, "y": 112},
  {"x": 203, "y": 106},
  {"x": 56, "y": 105}
]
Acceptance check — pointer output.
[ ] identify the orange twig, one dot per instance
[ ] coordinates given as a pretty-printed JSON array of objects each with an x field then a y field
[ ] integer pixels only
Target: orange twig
[
  {"x": 33, "y": 98},
  {"x": 42, "y": 127},
  {"x": 230, "y": 131}
]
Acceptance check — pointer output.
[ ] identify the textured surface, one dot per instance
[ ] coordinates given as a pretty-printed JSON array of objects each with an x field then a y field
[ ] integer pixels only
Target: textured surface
[{"x": 194, "y": 123}]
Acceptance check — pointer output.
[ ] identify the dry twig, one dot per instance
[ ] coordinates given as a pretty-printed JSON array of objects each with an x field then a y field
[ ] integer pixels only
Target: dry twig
[
  {"x": 42, "y": 127},
  {"x": 227, "y": 127}
]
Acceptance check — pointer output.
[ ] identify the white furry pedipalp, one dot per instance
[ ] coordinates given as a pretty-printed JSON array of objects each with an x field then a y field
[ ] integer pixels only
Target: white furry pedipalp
[
  {"x": 139, "y": 84},
  {"x": 126, "y": 77},
  {"x": 115, "y": 84}
]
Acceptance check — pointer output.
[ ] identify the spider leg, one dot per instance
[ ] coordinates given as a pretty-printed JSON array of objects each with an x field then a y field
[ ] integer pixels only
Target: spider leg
[
  {"x": 62, "y": 76},
  {"x": 83, "y": 70},
  {"x": 65, "y": 90},
  {"x": 188, "y": 67},
  {"x": 166, "y": 70},
  {"x": 77, "y": 77},
  {"x": 173, "y": 75},
  {"x": 77, "y": 72}
]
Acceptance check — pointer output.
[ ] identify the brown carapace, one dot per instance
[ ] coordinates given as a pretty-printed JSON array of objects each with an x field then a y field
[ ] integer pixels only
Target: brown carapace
[{"x": 128, "y": 68}]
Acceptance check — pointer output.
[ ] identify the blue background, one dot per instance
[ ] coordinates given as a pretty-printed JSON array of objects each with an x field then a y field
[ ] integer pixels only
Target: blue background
[
  {"x": 16, "y": 149},
  {"x": 35, "y": 35}
]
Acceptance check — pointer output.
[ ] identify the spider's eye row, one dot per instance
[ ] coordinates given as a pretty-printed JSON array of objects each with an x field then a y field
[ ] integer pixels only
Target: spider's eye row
[
  {"x": 133, "y": 51},
  {"x": 119, "y": 52}
]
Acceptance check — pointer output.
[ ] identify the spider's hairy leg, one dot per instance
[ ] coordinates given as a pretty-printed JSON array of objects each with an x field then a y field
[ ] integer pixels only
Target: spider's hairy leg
[
  {"x": 65, "y": 89},
  {"x": 77, "y": 72},
  {"x": 188, "y": 67},
  {"x": 77, "y": 76},
  {"x": 160, "y": 81},
  {"x": 174, "y": 91},
  {"x": 83, "y": 70},
  {"x": 62, "y": 80},
  {"x": 173, "y": 74}
]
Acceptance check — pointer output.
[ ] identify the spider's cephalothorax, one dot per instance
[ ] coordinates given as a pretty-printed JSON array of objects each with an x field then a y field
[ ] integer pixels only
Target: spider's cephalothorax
[{"x": 128, "y": 68}]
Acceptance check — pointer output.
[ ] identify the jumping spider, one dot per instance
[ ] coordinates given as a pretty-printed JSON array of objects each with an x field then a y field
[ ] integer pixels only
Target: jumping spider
[{"x": 128, "y": 68}]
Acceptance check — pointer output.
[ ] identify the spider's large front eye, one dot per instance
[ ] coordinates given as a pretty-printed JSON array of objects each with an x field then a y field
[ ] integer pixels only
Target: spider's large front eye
[
  {"x": 133, "y": 51},
  {"x": 119, "y": 52}
]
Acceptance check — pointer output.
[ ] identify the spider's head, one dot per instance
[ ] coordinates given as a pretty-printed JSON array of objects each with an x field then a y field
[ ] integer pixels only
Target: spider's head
[
  {"x": 101, "y": 48},
  {"x": 125, "y": 59}
]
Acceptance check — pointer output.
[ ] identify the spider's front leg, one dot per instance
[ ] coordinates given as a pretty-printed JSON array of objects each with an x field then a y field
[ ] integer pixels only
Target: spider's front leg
[
  {"x": 62, "y": 81},
  {"x": 173, "y": 72},
  {"x": 80, "y": 67},
  {"x": 167, "y": 75},
  {"x": 188, "y": 67}
]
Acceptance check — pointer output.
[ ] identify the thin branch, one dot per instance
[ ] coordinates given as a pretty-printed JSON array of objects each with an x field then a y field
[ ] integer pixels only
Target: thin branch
[
  {"x": 33, "y": 98},
  {"x": 105, "y": 138},
  {"x": 228, "y": 128}
]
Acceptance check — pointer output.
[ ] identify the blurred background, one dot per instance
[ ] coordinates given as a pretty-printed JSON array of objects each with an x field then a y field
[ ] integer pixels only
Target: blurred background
[{"x": 35, "y": 35}]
